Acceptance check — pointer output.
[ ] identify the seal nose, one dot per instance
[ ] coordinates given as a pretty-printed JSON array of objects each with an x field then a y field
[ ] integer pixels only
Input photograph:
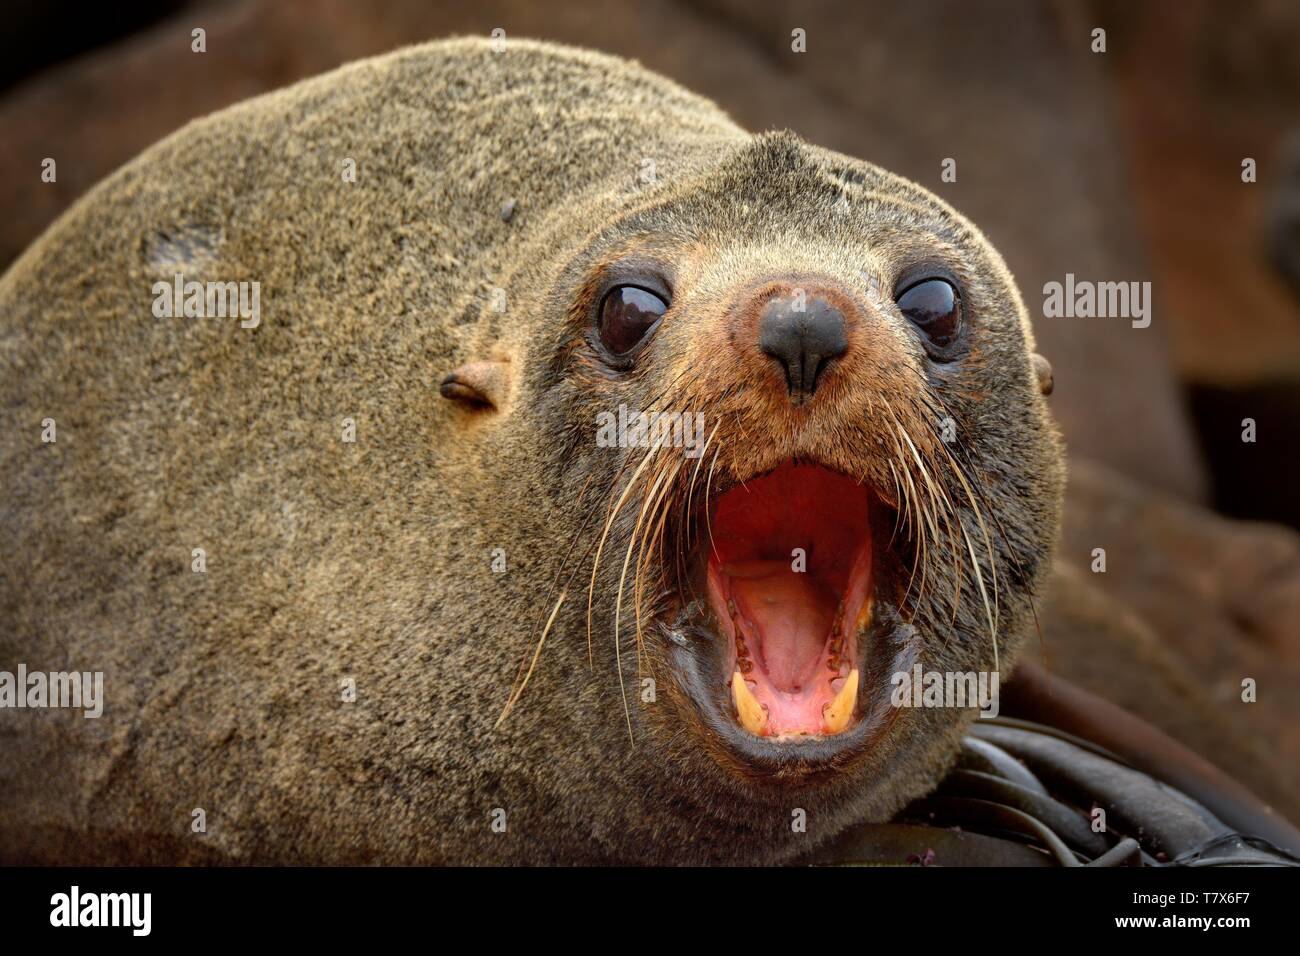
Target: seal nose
[{"x": 803, "y": 334}]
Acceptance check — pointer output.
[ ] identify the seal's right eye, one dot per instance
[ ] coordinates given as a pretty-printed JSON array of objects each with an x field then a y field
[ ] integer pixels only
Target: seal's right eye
[{"x": 627, "y": 315}]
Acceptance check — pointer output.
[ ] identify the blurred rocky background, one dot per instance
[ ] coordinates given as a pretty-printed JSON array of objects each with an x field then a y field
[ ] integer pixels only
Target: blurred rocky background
[{"x": 1117, "y": 166}]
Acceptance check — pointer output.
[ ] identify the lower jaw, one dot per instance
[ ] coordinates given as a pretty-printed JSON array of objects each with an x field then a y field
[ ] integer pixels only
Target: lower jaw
[
  {"x": 888, "y": 648},
  {"x": 785, "y": 657},
  {"x": 823, "y": 701}
]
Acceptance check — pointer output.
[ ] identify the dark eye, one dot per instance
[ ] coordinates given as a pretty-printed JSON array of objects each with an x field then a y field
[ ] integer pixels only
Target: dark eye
[
  {"x": 626, "y": 315},
  {"x": 934, "y": 307}
]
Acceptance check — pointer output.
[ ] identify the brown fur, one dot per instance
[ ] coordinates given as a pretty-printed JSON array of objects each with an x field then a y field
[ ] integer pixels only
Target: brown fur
[{"x": 372, "y": 560}]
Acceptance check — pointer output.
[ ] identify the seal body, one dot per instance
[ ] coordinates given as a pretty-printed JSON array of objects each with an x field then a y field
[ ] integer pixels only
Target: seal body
[{"x": 314, "y": 583}]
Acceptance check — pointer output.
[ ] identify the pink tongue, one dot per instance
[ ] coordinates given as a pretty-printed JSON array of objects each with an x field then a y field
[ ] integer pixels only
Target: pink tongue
[{"x": 792, "y": 615}]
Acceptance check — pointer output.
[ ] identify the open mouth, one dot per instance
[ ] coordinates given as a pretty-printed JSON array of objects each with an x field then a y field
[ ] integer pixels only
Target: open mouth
[{"x": 789, "y": 579}]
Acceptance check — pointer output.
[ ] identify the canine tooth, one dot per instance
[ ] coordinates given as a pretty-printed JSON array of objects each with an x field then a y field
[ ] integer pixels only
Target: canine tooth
[
  {"x": 864, "y": 616},
  {"x": 837, "y": 713},
  {"x": 752, "y": 715}
]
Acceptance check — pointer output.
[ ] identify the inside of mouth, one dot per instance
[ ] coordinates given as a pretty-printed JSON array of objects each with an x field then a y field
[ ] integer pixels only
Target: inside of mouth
[{"x": 789, "y": 582}]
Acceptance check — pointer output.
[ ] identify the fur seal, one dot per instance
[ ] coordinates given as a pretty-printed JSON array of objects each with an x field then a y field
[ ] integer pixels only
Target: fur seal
[{"x": 363, "y": 579}]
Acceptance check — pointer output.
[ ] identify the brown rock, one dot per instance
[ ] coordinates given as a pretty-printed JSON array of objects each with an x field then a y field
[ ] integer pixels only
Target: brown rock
[{"x": 1189, "y": 606}]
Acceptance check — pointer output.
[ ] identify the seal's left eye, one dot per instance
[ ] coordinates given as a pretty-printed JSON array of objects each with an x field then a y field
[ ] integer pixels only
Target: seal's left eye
[
  {"x": 626, "y": 315},
  {"x": 934, "y": 307}
]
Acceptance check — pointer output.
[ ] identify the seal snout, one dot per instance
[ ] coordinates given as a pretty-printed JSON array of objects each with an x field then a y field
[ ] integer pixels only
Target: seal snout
[{"x": 803, "y": 332}]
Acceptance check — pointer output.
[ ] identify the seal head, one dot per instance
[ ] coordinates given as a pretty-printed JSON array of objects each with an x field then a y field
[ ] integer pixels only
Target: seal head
[{"x": 876, "y": 483}]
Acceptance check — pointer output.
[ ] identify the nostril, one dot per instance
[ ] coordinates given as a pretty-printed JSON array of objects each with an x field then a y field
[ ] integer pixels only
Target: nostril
[{"x": 803, "y": 335}]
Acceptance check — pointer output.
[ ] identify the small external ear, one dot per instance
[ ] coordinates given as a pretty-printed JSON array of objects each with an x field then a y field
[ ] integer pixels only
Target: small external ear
[
  {"x": 1043, "y": 369},
  {"x": 476, "y": 385}
]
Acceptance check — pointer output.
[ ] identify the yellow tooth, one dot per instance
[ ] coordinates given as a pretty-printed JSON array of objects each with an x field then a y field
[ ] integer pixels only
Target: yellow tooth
[
  {"x": 837, "y": 713},
  {"x": 752, "y": 715},
  {"x": 864, "y": 616}
]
